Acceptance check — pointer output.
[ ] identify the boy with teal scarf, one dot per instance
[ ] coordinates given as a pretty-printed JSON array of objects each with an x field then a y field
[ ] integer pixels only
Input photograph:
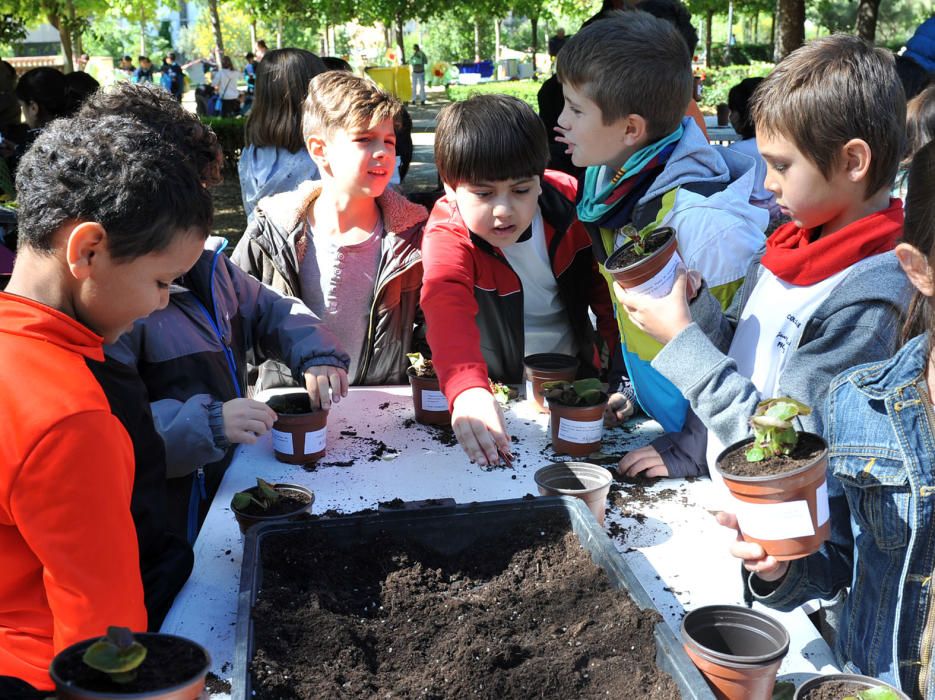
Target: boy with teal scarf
[{"x": 627, "y": 82}]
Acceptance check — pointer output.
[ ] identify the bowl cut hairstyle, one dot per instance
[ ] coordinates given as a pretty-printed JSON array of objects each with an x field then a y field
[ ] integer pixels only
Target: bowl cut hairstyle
[
  {"x": 341, "y": 100},
  {"x": 488, "y": 138},
  {"x": 116, "y": 171},
  {"x": 631, "y": 63},
  {"x": 830, "y": 91}
]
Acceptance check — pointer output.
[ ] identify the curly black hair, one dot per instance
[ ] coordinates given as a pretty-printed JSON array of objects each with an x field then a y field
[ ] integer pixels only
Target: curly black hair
[
  {"x": 159, "y": 110},
  {"x": 114, "y": 170}
]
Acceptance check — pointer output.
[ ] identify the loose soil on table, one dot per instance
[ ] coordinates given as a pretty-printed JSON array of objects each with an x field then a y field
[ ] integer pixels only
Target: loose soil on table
[
  {"x": 806, "y": 451},
  {"x": 629, "y": 257},
  {"x": 523, "y": 615},
  {"x": 168, "y": 662},
  {"x": 289, "y": 502},
  {"x": 836, "y": 690}
]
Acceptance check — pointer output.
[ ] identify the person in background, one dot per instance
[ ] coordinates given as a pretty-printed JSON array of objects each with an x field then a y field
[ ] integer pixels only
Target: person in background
[
  {"x": 224, "y": 82},
  {"x": 920, "y": 129},
  {"x": 249, "y": 76},
  {"x": 42, "y": 96},
  {"x": 556, "y": 43},
  {"x": 173, "y": 79},
  {"x": 260, "y": 50},
  {"x": 195, "y": 71},
  {"x": 78, "y": 87},
  {"x": 418, "y": 61},
  {"x": 81, "y": 63},
  {"x": 274, "y": 158},
  {"x": 126, "y": 67},
  {"x": 144, "y": 72},
  {"x": 10, "y": 112}
]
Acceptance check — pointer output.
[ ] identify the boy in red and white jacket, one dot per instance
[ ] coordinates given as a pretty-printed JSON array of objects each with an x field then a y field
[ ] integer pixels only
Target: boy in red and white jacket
[{"x": 508, "y": 267}]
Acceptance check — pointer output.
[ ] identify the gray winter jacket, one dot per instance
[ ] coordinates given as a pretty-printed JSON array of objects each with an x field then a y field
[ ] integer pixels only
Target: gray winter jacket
[{"x": 858, "y": 323}]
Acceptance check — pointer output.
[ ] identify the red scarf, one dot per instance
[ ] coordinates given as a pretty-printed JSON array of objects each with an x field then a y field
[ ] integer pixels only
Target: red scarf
[{"x": 794, "y": 257}]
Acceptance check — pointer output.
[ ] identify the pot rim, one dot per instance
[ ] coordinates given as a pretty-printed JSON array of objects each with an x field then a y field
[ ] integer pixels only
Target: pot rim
[
  {"x": 733, "y": 660},
  {"x": 870, "y": 681},
  {"x": 768, "y": 477},
  {"x": 641, "y": 261},
  {"x": 571, "y": 362},
  {"x": 551, "y": 402},
  {"x": 59, "y": 681},
  {"x": 294, "y": 415},
  {"x": 594, "y": 469},
  {"x": 278, "y": 487}
]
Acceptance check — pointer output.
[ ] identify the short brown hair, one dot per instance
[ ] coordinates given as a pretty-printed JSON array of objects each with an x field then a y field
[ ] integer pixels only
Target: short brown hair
[
  {"x": 489, "y": 138},
  {"x": 631, "y": 63},
  {"x": 342, "y": 100},
  {"x": 830, "y": 91}
]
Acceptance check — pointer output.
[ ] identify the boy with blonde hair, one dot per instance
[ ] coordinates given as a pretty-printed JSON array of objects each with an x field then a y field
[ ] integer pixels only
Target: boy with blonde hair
[{"x": 347, "y": 245}]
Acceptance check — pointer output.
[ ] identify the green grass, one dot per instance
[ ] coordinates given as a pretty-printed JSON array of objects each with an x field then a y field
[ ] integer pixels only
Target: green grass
[{"x": 525, "y": 90}]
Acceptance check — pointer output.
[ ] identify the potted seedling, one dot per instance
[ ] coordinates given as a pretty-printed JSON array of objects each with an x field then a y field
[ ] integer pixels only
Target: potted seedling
[
  {"x": 778, "y": 480},
  {"x": 503, "y": 393},
  {"x": 646, "y": 261},
  {"x": 267, "y": 502},
  {"x": 128, "y": 665},
  {"x": 847, "y": 686},
  {"x": 300, "y": 431},
  {"x": 577, "y": 420},
  {"x": 546, "y": 367},
  {"x": 430, "y": 404}
]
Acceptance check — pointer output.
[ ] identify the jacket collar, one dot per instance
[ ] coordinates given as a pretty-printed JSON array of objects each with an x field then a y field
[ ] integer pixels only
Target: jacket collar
[
  {"x": 30, "y": 319},
  {"x": 906, "y": 367}
]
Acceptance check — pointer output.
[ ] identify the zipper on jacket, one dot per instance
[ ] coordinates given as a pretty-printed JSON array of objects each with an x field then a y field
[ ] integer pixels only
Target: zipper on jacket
[
  {"x": 198, "y": 495},
  {"x": 929, "y": 630},
  {"x": 225, "y": 345}
]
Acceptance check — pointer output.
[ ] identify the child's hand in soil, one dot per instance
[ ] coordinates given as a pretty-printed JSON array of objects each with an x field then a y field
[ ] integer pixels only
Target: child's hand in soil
[
  {"x": 245, "y": 420},
  {"x": 479, "y": 426},
  {"x": 618, "y": 409},
  {"x": 754, "y": 558},
  {"x": 325, "y": 384},
  {"x": 645, "y": 461},
  {"x": 665, "y": 317}
]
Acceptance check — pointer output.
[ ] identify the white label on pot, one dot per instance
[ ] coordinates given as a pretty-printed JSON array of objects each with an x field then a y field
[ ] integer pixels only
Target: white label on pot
[
  {"x": 822, "y": 513},
  {"x": 581, "y": 431},
  {"x": 282, "y": 442},
  {"x": 661, "y": 284},
  {"x": 529, "y": 392},
  {"x": 433, "y": 401},
  {"x": 774, "y": 521},
  {"x": 315, "y": 441}
]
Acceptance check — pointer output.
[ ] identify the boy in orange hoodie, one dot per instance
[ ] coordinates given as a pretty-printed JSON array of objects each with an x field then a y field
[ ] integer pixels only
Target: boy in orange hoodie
[{"x": 110, "y": 214}]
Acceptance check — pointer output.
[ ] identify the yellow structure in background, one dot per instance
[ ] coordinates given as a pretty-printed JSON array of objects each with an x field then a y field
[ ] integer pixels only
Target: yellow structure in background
[{"x": 396, "y": 80}]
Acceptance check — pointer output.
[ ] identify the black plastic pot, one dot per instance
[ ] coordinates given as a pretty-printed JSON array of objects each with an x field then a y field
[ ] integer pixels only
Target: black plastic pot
[{"x": 866, "y": 682}]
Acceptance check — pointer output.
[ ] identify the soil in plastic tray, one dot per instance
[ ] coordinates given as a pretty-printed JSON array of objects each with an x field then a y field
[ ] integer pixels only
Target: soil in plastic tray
[
  {"x": 835, "y": 690},
  {"x": 524, "y": 615},
  {"x": 806, "y": 451},
  {"x": 289, "y": 502},
  {"x": 167, "y": 664},
  {"x": 653, "y": 243}
]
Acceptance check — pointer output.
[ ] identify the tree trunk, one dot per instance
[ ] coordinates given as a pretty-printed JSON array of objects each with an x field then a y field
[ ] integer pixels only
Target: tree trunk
[
  {"x": 476, "y": 40},
  {"x": 756, "y": 27},
  {"x": 65, "y": 37},
  {"x": 326, "y": 42},
  {"x": 400, "y": 20},
  {"x": 496, "y": 38},
  {"x": 867, "y": 13},
  {"x": 772, "y": 26},
  {"x": 535, "y": 44},
  {"x": 73, "y": 29},
  {"x": 790, "y": 34},
  {"x": 279, "y": 28},
  {"x": 216, "y": 24},
  {"x": 142, "y": 31},
  {"x": 252, "y": 31},
  {"x": 708, "y": 19},
  {"x": 730, "y": 30}
]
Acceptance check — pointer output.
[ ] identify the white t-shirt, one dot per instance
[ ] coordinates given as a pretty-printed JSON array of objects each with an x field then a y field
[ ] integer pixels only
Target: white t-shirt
[
  {"x": 546, "y": 320},
  {"x": 225, "y": 82}
]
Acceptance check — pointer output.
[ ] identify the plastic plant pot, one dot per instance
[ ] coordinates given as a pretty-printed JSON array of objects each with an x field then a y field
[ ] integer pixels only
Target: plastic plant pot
[
  {"x": 804, "y": 691},
  {"x": 652, "y": 275},
  {"x": 787, "y": 514},
  {"x": 547, "y": 367},
  {"x": 299, "y": 433},
  {"x": 577, "y": 431},
  {"x": 247, "y": 520},
  {"x": 430, "y": 404},
  {"x": 738, "y": 650},
  {"x": 75, "y": 681},
  {"x": 588, "y": 482}
]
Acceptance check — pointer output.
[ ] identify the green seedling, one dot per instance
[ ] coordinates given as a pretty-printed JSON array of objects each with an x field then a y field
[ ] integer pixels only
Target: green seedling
[
  {"x": 874, "y": 694},
  {"x": 638, "y": 239},
  {"x": 584, "y": 392},
  {"x": 265, "y": 497},
  {"x": 422, "y": 366},
  {"x": 118, "y": 655},
  {"x": 773, "y": 432}
]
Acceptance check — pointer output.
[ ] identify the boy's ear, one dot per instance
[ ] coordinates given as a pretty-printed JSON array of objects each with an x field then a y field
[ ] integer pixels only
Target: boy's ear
[
  {"x": 315, "y": 145},
  {"x": 916, "y": 266},
  {"x": 84, "y": 243},
  {"x": 635, "y": 130},
  {"x": 856, "y": 157}
]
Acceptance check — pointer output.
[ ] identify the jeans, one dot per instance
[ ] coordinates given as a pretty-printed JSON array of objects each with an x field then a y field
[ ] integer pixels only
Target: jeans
[{"x": 418, "y": 87}]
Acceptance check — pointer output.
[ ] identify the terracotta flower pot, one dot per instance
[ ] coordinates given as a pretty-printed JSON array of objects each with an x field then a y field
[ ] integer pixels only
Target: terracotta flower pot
[
  {"x": 737, "y": 649},
  {"x": 547, "y": 367},
  {"x": 299, "y": 434},
  {"x": 431, "y": 406},
  {"x": 246, "y": 519},
  {"x": 861, "y": 682},
  {"x": 787, "y": 514},
  {"x": 577, "y": 431},
  {"x": 652, "y": 275},
  {"x": 588, "y": 482},
  {"x": 173, "y": 655}
]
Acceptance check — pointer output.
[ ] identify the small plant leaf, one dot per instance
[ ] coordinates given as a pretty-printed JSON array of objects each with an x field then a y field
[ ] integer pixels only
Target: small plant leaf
[
  {"x": 755, "y": 454},
  {"x": 583, "y": 386},
  {"x": 242, "y": 500},
  {"x": 592, "y": 397},
  {"x": 783, "y": 690},
  {"x": 768, "y": 421},
  {"x": 558, "y": 384},
  {"x": 415, "y": 359},
  {"x": 877, "y": 694},
  {"x": 267, "y": 492},
  {"x": 114, "y": 656}
]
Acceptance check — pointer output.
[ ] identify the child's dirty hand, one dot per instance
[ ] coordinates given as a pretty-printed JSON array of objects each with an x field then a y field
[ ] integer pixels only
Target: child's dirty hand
[
  {"x": 325, "y": 384},
  {"x": 645, "y": 462},
  {"x": 479, "y": 426},
  {"x": 245, "y": 420},
  {"x": 619, "y": 408},
  {"x": 754, "y": 558},
  {"x": 662, "y": 318}
]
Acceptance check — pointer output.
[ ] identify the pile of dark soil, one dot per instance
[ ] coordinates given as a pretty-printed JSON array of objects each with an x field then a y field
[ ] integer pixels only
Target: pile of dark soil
[{"x": 524, "y": 615}]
